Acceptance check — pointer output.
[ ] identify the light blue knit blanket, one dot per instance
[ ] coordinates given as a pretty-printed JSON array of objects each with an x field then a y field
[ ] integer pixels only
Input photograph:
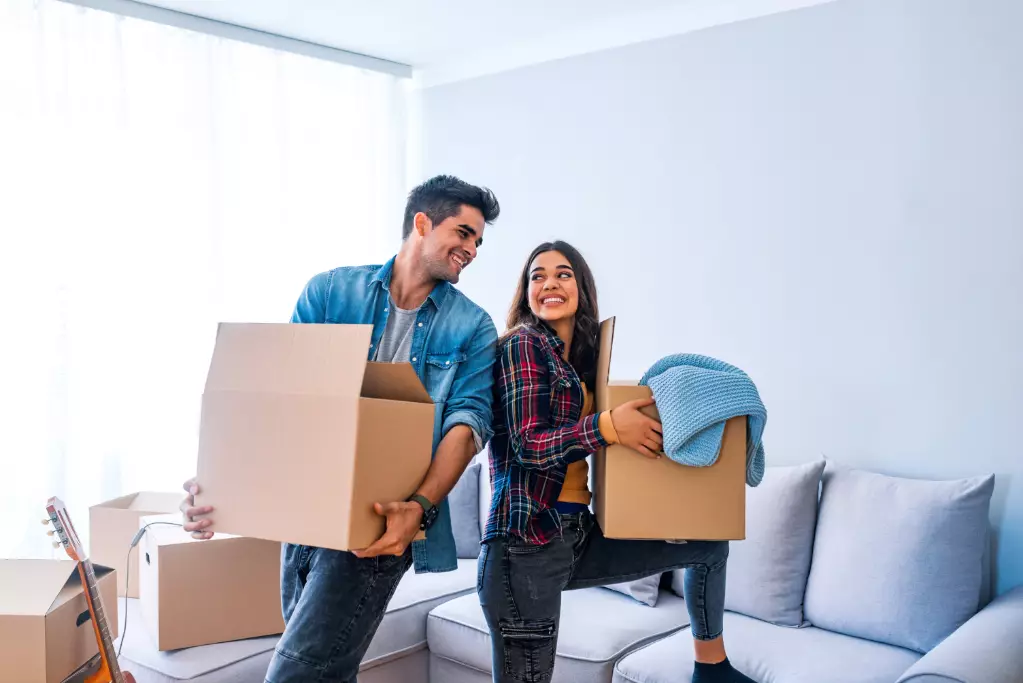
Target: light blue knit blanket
[{"x": 695, "y": 396}]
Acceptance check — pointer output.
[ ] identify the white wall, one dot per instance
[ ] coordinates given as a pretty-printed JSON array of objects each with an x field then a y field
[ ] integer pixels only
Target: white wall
[{"x": 830, "y": 198}]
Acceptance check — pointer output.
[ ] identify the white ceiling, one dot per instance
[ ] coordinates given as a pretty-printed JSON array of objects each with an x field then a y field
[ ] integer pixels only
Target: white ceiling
[{"x": 447, "y": 40}]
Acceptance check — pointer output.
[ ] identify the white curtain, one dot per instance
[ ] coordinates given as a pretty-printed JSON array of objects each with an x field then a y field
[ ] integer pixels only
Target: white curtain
[{"x": 155, "y": 181}]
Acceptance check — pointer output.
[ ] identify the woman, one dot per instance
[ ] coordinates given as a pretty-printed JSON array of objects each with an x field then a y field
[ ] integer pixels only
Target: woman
[{"x": 540, "y": 537}]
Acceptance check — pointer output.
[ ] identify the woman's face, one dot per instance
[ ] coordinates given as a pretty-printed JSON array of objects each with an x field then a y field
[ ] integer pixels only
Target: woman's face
[{"x": 553, "y": 291}]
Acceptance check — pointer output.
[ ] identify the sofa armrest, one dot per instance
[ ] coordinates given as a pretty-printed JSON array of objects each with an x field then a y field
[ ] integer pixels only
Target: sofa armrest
[{"x": 986, "y": 649}]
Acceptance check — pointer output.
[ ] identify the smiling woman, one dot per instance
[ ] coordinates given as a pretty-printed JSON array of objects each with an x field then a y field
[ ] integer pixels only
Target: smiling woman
[
  {"x": 154, "y": 182},
  {"x": 557, "y": 286}
]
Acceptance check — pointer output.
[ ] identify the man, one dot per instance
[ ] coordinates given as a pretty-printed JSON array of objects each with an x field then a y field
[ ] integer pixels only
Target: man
[{"x": 334, "y": 601}]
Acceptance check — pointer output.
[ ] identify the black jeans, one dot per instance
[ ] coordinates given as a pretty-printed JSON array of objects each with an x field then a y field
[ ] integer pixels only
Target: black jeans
[
  {"x": 520, "y": 588},
  {"x": 333, "y": 603}
]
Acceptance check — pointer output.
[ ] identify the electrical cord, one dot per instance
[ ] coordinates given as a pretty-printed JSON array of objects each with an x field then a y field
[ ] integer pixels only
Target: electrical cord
[{"x": 127, "y": 576}]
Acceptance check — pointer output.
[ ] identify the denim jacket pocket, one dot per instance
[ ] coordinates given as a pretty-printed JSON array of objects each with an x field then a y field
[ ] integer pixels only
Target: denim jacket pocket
[{"x": 440, "y": 373}]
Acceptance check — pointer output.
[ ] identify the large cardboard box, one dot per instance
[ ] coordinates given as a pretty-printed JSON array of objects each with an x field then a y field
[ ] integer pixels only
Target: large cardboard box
[
  {"x": 636, "y": 497},
  {"x": 300, "y": 434},
  {"x": 45, "y": 630},
  {"x": 195, "y": 592},
  {"x": 112, "y": 526}
]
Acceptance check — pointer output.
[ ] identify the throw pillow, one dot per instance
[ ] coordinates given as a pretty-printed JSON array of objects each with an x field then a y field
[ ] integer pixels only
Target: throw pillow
[
  {"x": 643, "y": 590},
  {"x": 897, "y": 560},
  {"x": 767, "y": 571},
  {"x": 463, "y": 503}
]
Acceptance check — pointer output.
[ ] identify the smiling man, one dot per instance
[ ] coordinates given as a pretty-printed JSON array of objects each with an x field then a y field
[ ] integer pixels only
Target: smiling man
[{"x": 333, "y": 601}]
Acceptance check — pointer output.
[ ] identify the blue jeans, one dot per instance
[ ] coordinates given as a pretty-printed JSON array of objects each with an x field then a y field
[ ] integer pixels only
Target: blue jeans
[
  {"x": 520, "y": 588},
  {"x": 333, "y": 603}
]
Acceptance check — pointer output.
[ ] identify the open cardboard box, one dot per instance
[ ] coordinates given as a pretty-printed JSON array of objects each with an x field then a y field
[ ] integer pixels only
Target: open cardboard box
[
  {"x": 301, "y": 434},
  {"x": 199, "y": 592},
  {"x": 46, "y": 633},
  {"x": 636, "y": 497},
  {"x": 112, "y": 526}
]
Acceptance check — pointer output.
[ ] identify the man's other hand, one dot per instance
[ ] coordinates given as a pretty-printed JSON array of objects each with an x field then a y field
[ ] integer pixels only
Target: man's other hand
[
  {"x": 199, "y": 528},
  {"x": 403, "y": 520}
]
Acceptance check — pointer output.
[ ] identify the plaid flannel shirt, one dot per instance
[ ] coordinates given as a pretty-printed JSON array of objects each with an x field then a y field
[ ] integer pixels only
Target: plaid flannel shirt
[{"x": 538, "y": 431}]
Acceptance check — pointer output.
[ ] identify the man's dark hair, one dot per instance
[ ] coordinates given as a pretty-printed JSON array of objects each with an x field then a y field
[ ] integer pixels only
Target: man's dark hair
[{"x": 443, "y": 196}]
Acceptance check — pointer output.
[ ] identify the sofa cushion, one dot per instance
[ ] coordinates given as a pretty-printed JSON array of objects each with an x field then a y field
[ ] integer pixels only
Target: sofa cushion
[
  {"x": 597, "y": 627},
  {"x": 402, "y": 631},
  {"x": 897, "y": 560},
  {"x": 190, "y": 663},
  {"x": 767, "y": 572},
  {"x": 765, "y": 652},
  {"x": 644, "y": 590},
  {"x": 463, "y": 502}
]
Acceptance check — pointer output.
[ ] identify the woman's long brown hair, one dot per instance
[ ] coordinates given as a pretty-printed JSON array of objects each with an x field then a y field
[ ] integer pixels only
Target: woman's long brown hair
[{"x": 583, "y": 353}]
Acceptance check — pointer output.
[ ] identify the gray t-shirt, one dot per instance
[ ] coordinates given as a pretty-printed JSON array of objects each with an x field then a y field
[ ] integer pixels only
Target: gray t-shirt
[
  {"x": 396, "y": 341},
  {"x": 396, "y": 344}
]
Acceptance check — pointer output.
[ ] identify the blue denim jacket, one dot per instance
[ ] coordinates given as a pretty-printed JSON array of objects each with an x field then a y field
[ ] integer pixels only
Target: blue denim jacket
[{"x": 453, "y": 349}]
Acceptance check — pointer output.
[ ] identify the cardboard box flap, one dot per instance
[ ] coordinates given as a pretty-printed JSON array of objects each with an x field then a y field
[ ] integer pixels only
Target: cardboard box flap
[
  {"x": 73, "y": 588},
  {"x": 30, "y": 587},
  {"x": 394, "y": 381},
  {"x": 155, "y": 501},
  {"x": 607, "y": 333},
  {"x": 145, "y": 501},
  {"x": 290, "y": 358}
]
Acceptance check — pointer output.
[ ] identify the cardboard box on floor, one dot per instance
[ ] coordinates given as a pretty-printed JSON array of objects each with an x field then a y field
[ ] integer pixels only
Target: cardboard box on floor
[
  {"x": 636, "y": 497},
  {"x": 112, "y": 526},
  {"x": 45, "y": 630},
  {"x": 300, "y": 434},
  {"x": 199, "y": 592}
]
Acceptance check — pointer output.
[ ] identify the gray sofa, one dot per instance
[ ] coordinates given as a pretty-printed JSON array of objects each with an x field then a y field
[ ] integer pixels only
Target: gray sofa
[{"x": 845, "y": 576}]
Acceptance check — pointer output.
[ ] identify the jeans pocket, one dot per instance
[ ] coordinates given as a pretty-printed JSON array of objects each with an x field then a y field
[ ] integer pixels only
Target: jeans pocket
[
  {"x": 517, "y": 546},
  {"x": 529, "y": 648}
]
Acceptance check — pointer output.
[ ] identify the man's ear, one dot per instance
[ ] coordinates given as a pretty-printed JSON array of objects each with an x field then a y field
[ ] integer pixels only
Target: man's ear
[{"x": 422, "y": 223}]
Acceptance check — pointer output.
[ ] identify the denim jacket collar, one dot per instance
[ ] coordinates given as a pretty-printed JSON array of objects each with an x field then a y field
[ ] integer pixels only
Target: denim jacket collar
[{"x": 383, "y": 277}]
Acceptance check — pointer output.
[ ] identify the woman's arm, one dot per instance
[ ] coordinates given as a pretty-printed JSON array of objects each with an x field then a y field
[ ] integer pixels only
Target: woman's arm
[{"x": 523, "y": 392}]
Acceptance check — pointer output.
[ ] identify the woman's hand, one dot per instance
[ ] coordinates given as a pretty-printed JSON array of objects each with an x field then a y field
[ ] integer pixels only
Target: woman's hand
[{"x": 636, "y": 430}]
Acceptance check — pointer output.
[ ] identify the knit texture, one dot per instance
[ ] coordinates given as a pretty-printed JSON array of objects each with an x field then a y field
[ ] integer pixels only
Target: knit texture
[{"x": 695, "y": 396}]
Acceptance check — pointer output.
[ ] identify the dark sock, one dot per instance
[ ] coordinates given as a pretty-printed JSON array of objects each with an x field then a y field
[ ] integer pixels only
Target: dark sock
[{"x": 722, "y": 672}]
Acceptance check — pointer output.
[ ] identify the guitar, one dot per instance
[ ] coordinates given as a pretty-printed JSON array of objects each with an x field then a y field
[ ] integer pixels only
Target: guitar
[{"x": 109, "y": 671}]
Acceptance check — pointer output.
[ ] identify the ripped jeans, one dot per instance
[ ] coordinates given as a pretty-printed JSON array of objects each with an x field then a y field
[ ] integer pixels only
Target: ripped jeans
[{"x": 520, "y": 586}]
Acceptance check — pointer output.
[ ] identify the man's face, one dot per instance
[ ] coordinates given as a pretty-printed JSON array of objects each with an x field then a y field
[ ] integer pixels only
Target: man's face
[{"x": 450, "y": 246}]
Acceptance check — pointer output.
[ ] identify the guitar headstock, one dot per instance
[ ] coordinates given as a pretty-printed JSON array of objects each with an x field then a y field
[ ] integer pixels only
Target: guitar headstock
[{"x": 64, "y": 529}]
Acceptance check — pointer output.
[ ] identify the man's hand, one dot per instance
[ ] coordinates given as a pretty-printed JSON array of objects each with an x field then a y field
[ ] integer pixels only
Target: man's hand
[
  {"x": 198, "y": 528},
  {"x": 403, "y": 520}
]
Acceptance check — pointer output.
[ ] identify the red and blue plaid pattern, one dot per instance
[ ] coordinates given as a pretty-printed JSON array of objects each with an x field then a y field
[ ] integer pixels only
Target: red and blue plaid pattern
[{"x": 538, "y": 432}]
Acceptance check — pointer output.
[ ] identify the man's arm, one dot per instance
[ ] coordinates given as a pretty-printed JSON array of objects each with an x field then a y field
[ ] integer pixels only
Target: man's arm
[
  {"x": 467, "y": 410},
  {"x": 311, "y": 306}
]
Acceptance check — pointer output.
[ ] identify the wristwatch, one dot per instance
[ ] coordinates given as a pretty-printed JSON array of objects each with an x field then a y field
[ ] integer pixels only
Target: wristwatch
[{"x": 429, "y": 510}]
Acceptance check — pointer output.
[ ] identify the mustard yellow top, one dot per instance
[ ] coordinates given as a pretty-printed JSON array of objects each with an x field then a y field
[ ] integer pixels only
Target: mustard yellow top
[{"x": 576, "y": 488}]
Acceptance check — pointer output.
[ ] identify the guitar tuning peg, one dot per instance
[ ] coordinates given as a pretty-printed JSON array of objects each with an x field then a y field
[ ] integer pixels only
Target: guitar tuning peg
[
  {"x": 46, "y": 521},
  {"x": 56, "y": 544},
  {"x": 51, "y": 532}
]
